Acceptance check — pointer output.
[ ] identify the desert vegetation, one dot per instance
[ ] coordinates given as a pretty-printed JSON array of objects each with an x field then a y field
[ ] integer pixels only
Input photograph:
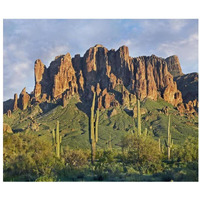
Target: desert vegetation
[
  {"x": 104, "y": 116},
  {"x": 139, "y": 156}
]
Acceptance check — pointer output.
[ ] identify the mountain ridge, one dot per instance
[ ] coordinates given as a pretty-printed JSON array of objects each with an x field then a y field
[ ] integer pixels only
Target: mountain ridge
[{"x": 102, "y": 70}]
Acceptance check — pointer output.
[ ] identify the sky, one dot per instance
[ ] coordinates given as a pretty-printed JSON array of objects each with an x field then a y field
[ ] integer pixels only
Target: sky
[{"x": 24, "y": 41}]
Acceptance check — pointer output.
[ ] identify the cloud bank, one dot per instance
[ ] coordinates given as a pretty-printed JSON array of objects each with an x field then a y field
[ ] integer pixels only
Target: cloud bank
[{"x": 27, "y": 40}]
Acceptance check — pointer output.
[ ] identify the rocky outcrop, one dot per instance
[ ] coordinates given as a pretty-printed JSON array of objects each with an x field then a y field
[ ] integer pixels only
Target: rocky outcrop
[
  {"x": 188, "y": 85},
  {"x": 81, "y": 81},
  {"x": 65, "y": 79},
  {"x": 41, "y": 78},
  {"x": 9, "y": 113},
  {"x": 174, "y": 66},
  {"x": 15, "y": 105},
  {"x": 7, "y": 128},
  {"x": 172, "y": 95},
  {"x": 128, "y": 99},
  {"x": 107, "y": 101},
  {"x": 143, "y": 77},
  {"x": 113, "y": 112},
  {"x": 24, "y": 99}
]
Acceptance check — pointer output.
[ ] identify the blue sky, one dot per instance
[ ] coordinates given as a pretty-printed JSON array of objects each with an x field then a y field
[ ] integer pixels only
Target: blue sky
[{"x": 27, "y": 40}]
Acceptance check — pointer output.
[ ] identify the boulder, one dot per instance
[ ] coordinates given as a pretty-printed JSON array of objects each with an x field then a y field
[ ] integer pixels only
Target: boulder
[{"x": 7, "y": 128}]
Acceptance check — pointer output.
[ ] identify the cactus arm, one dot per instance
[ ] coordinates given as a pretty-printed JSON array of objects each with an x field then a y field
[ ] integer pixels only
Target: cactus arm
[
  {"x": 57, "y": 141},
  {"x": 96, "y": 125},
  {"x": 159, "y": 145},
  {"x": 139, "y": 117},
  {"x": 92, "y": 119},
  {"x": 53, "y": 137},
  {"x": 170, "y": 141},
  {"x": 145, "y": 132}
]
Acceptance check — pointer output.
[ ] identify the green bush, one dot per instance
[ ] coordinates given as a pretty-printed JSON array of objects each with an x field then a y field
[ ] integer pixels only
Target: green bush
[
  {"x": 27, "y": 156},
  {"x": 187, "y": 152},
  {"x": 142, "y": 152}
]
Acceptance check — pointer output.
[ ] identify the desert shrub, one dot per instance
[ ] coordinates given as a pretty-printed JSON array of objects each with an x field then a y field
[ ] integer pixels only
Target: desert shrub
[
  {"x": 75, "y": 158},
  {"x": 27, "y": 157},
  {"x": 106, "y": 156},
  {"x": 187, "y": 152},
  {"x": 142, "y": 152}
]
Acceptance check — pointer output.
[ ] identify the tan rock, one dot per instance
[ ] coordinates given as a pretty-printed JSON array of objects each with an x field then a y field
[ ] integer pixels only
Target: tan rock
[
  {"x": 190, "y": 107},
  {"x": 181, "y": 107},
  {"x": 104, "y": 92},
  {"x": 15, "y": 106},
  {"x": 24, "y": 99},
  {"x": 174, "y": 66},
  {"x": 113, "y": 112},
  {"x": 172, "y": 95},
  {"x": 113, "y": 80},
  {"x": 9, "y": 113},
  {"x": 107, "y": 101},
  {"x": 132, "y": 99},
  {"x": 98, "y": 89},
  {"x": 65, "y": 78},
  {"x": 7, "y": 128},
  {"x": 125, "y": 98},
  {"x": 37, "y": 90},
  {"x": 100, "y": 102},
  {"x": 81, "y": 81},
  {"x": 39, "y": 70}
]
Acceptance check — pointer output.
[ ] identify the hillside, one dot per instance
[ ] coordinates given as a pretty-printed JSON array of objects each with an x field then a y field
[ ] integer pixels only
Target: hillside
[{"x": 61, "y": 102}]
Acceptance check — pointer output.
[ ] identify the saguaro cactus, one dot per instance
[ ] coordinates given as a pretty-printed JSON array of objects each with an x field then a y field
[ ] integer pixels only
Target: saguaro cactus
[
  {"x": 110, "y": 142},
  {"x": 159, "y": 145},
  {"x": 169, "y": 142},
  {"x": 94, "y": 122},
  {"x": 139, "y": 117},
  {"x": 145, "y": 132},
  {"x": 57, "y": 139}
]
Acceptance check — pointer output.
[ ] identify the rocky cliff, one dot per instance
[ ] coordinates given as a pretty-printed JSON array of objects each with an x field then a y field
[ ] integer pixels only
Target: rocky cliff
[{"x": 104, "y": 70}]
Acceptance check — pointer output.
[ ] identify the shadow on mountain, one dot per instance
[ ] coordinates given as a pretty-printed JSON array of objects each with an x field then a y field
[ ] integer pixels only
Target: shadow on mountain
[
  {"x": 84, "y": 107},
  {"x": 46, "y": 107},
  {"x": 118, "y": 95},
  {"x": 128, "y": 112}
]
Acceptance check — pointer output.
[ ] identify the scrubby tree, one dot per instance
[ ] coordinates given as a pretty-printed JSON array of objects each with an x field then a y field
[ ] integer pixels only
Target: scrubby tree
[{"x": 141, "y": 151}]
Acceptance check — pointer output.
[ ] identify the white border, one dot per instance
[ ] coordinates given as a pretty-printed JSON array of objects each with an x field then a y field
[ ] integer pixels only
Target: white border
[{"x": 95, "y": 9}]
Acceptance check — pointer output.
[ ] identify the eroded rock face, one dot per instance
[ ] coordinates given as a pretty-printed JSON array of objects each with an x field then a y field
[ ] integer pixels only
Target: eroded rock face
[
  {"x": 15, "y": 106},
  {"x": 188, "y": 85},
  {"x": 65, "y": 79},
  {"x": 41, "y": 78},
  {"x": 172, "y": 95},
  {"x": 24, "y": 99},
  {"x": 81, "y": 81},
  {"x": 107, "y": 101},
  {"x": 174, "y": 66},
  {"x": 143, "y": 77}
]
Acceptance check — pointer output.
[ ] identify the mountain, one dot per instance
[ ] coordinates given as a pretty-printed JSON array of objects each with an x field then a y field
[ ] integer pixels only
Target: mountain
[
  {"x": 64, "y": 92},
  {"x": 104, "y": 70}
]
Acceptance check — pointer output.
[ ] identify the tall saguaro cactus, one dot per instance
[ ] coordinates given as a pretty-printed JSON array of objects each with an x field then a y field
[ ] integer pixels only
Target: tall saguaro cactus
[
  {"x": 139, "y": 117},
  {"x": 57, "y": 139},
  {"x": 94, "y": 122},
  {"x": 169, "y": 142}
]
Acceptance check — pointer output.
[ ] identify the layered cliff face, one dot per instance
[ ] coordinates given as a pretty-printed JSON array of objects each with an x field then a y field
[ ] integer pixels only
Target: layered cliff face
[{"x": 104, "y": 70}]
